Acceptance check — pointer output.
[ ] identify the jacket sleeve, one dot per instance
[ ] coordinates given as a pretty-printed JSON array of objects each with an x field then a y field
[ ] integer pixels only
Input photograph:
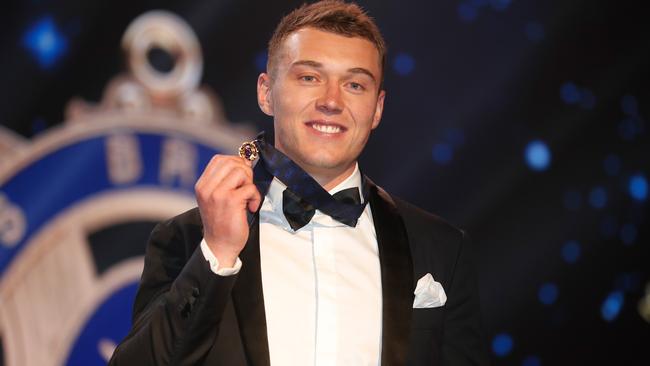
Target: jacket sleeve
[
  {"x": 180, "y": 301},
  {"x": 463, "y": 342}
]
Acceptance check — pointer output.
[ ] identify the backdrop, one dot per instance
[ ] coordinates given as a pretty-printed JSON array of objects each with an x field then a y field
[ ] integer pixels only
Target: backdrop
[{"x": 524, "y": 122}]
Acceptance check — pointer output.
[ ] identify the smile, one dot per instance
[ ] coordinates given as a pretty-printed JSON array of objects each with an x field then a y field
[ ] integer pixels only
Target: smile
[{"x": 327, "y": 128}]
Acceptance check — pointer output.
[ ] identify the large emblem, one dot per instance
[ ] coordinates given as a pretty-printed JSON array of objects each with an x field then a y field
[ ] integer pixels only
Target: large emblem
[{"x": 78, "y": 202}]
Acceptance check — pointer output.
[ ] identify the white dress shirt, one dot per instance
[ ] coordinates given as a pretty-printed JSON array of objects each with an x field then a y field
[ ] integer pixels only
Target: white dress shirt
[{"x": 321, "y": 285}]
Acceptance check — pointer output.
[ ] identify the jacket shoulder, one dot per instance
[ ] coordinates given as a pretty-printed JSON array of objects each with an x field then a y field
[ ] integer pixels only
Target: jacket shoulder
[
  {"x": 415, "y": 218},
  {"x": 184, "y": 228}
]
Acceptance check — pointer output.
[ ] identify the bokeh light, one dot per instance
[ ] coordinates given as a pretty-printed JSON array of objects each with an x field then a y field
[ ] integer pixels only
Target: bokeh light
[{"x": 538, "y": 155}]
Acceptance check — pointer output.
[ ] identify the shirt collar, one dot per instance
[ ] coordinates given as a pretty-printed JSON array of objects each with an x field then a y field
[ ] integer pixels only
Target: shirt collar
[{"x": 274, "y": 194}]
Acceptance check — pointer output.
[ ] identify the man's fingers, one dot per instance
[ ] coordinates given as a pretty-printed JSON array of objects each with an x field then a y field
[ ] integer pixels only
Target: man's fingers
[
  {"x": 219, "y": 166},
  {"x": 251, "y": 195},
  {"x": 236, "y": 177},
  {"x": 219, "y": 173}
]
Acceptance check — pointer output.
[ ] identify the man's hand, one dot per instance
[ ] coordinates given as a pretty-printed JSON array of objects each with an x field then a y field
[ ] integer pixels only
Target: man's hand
[{"x": 224, "y": 192}]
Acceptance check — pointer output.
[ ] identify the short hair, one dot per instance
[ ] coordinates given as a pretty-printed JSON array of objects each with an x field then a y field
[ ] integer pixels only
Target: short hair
[{"x": 336, "y": 16}]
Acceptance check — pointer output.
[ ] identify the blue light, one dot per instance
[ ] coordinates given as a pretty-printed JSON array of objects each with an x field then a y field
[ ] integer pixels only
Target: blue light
[
  {"x": 534, "y": 31},
  {"x": 598, "y": 197},
  {"x": 630, "y": 105},
  {"x": 547, "y": 293},
  {"x": 572, "y": 200},
  {"x": 608, "y": 226},
  {"x": 628, "y": 234},
  {"x": 403, "y": 64},
  {"x": 629, "y": 128},
  {"x": 612, "y": 305},
  {"x": 467, "y": 12},
  {"x": 570, "y": 93},
  {"x": 261, "y": 59},
  {"x": 500, "y": 5},
  {"x": 638, "y": 187},
  {"x": 45, "y": 42},
  {"x": 612, "y": 165},
  {"x": 588, "y": 99},
  {"x": 502, "y": 344},
  {"x": 442, "y": 153},
  {"x": 571, "y": 251},
  {"x": 531, "y": 361},
  {"x": 538, "y": 155}
]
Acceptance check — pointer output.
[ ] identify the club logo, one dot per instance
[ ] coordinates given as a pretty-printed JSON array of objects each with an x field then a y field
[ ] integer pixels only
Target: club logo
[{"x": 78, "y": 202}]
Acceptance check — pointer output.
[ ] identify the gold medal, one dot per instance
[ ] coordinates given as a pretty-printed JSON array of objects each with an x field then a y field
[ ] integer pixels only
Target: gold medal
[{"x": 248, "y": 150}]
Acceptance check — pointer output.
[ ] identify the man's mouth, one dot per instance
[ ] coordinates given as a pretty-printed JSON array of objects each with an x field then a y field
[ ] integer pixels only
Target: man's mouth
[{"x": 326, "y": 127}]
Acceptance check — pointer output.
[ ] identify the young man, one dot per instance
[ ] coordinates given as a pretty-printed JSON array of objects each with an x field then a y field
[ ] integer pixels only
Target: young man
[{"x": 272, "y": 269}]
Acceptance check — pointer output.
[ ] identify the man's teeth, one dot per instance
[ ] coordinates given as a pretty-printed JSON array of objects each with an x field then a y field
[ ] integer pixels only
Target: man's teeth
[{"x": 326, "y": 128}]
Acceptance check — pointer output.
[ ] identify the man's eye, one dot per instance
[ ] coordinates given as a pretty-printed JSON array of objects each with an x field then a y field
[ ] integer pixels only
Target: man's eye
[
  {"x": 308, "y": 78},
  {"x": 356, "y": 86}
]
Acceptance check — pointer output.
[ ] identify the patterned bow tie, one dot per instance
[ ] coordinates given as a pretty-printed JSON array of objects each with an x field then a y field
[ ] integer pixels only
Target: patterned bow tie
[
  {"x": 307, "y": 190},
  {"x": 299, "y": 212}
]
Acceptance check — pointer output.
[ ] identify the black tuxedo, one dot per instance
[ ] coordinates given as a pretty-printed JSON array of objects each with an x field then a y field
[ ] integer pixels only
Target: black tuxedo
[{"x": 186, "y": 315}]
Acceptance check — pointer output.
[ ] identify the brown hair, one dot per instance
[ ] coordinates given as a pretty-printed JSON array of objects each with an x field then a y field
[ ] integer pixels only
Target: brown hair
[{"x": 334, "y": 16}]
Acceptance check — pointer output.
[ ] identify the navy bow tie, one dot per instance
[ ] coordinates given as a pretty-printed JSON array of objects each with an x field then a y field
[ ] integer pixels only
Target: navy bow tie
[
  {"x": 309, "y": 194},
  {"x": 299, "y": 212}
]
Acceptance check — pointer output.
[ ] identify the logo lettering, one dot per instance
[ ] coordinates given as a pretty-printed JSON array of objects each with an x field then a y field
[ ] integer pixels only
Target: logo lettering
[{"x": 12, "y": 222}]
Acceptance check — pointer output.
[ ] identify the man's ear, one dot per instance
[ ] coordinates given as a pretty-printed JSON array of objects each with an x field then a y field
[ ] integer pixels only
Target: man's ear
[
  {"x": 264, "y": 94},
  {"x": 379, "y": 109}
]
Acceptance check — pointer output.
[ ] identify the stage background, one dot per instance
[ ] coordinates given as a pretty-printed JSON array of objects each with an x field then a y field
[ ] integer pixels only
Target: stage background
[{"x": 524, "y": 122}]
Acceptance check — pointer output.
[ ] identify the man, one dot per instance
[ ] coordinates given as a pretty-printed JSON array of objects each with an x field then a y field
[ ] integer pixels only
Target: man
[{"x": 271, "y": 268}]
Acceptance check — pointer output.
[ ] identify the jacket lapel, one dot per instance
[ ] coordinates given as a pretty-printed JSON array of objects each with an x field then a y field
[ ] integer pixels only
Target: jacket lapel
[
  {"x": 396, "y": 276},
  {"x": 247, "y": 293}
]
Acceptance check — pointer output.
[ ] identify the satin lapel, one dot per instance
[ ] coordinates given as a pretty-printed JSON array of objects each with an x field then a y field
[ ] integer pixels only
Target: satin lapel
[
  {"x": 247, "y": 292},
  {"x": 396, "y": 276}
]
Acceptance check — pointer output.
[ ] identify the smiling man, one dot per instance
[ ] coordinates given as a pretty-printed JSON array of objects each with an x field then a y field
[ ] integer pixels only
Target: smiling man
[{"x": 301, "y": 259}]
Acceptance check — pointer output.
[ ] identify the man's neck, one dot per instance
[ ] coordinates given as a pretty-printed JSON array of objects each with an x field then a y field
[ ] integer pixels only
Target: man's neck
[{"x": 329, "y": 179}]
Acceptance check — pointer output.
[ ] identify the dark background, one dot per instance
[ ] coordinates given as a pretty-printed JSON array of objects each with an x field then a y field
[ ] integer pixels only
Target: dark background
[{"x": 470, "y": 84}]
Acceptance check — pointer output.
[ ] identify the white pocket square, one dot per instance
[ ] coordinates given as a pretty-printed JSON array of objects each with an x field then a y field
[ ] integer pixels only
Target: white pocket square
[{"x": 429, "y": 293}]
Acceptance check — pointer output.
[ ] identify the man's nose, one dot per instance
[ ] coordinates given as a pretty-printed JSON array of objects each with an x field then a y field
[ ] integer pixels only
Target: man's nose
[{"x": 330, "y": 101}]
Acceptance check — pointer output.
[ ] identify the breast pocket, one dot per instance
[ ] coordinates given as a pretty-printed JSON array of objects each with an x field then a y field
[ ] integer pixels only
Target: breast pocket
[
  {"x": 428, "y": 318},
  {"x": 426, "y": 336}
]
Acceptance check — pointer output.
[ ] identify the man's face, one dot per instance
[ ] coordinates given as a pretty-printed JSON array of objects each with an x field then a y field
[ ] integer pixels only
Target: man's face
[{"x": 325, "y": 99}]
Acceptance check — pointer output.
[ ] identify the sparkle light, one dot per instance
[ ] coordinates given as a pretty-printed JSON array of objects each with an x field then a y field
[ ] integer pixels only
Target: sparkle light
[
  {"x": 467, "y": 12},
  {"x": 403, "y": 64},
  {"x": 502, "y": 344},
  {"x": 570, "y": 93},
  {"x": 45, "y": 42},
  {"x": 531, "y": 361},
  {"x": 638, "y": 187},
  {"x": 442, "y": 153},
  {"x": 598, "y": 197},
  {"x": 612, "y": 305},
  {"x": 538, "y": 155},
  {"x": 548, "y": 293},
  {"x": 571, "y": 251}
]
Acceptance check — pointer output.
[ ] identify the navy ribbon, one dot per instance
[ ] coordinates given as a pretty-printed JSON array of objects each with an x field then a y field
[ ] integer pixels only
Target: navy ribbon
[{"x": 304, "y": 186}]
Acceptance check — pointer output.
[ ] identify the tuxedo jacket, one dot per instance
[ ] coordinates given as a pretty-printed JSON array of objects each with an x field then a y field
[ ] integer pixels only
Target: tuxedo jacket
[{"x": 184, "y": 314}]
